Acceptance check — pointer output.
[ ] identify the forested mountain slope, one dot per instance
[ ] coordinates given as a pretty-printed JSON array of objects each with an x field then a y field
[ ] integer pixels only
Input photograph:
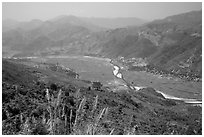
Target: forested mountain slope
[{"x": 173, "y": 43}]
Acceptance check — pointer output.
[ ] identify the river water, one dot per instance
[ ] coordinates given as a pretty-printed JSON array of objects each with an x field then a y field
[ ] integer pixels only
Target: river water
[{"x": 101, "y": 69}]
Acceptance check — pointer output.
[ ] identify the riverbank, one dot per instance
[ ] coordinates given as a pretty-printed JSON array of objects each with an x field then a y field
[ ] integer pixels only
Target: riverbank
[
  {"x": 118, "y": 70},
  {"x": 24, "y": 105},
  {"x": 117, "y": 73}
]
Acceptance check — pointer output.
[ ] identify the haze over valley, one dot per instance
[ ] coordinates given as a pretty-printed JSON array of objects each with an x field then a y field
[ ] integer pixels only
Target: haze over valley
[
  {"x": 118, "y": 74},
  {"x": 165, "y": 42}
]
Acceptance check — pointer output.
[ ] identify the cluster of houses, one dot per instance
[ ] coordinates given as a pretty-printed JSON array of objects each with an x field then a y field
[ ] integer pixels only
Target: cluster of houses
[
  {"x": 139, "y": 62},
  {"x": 143, "y": 64}
]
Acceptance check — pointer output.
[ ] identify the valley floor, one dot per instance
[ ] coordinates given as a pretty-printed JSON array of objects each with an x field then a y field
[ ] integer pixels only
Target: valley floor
[
  {"x": 174, "y": 88},
  {"x": 48, "y": 98}
]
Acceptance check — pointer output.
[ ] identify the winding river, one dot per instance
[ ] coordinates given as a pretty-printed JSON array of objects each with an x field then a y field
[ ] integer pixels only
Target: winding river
[
  {"x": 118, "y": 74},
  {"x": 110, "y": 74}
]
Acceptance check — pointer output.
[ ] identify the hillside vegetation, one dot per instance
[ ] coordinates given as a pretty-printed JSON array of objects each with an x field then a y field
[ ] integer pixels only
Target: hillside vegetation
[
  {"x": 173, "y": 44},
  {"x": 42, "y": 98}
]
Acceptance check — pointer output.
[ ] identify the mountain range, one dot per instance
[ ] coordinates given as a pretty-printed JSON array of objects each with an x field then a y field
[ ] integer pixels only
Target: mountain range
[{"x": 173, "y": 43}]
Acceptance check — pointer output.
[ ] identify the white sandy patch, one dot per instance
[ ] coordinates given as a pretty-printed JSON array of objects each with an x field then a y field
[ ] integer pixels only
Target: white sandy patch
[
  {"x": 116, "y": 73},
  {"x": 119, "y": 75},
  {"x": 191, "y": 101},
  {"x": 138, "y": 88}
]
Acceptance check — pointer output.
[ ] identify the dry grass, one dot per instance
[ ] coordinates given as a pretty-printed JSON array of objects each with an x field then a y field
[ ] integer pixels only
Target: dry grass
[
  {"x": 56, "y": 114},
  {"x": 79, "y": 113}
]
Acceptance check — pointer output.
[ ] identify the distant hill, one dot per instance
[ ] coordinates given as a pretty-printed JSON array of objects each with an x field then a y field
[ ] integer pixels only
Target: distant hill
[
  {"x": 70, "y": 33},
  {"x": 42, "y": 35},
  {"x": 179, "y": 40},
  {"x": 113, "y": 23},
  {"x": 173, "y": 43},
  {"x": 9, "y": 24}
]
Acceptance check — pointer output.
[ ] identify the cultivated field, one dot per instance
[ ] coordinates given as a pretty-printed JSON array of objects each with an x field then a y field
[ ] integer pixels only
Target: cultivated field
[
  {"x": 88, "y": 68},
  {"x": 42, "y": 98},
  {"x": 173, "y": 87},
  {"x": 99, "y": 69}
]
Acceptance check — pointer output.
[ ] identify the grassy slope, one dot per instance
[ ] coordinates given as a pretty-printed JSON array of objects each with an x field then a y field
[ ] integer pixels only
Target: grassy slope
[{"x": 76, "y": 109}]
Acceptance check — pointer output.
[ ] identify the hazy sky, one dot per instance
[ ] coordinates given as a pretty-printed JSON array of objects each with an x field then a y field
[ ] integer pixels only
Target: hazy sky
[{"x": 146, "y": 10}]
